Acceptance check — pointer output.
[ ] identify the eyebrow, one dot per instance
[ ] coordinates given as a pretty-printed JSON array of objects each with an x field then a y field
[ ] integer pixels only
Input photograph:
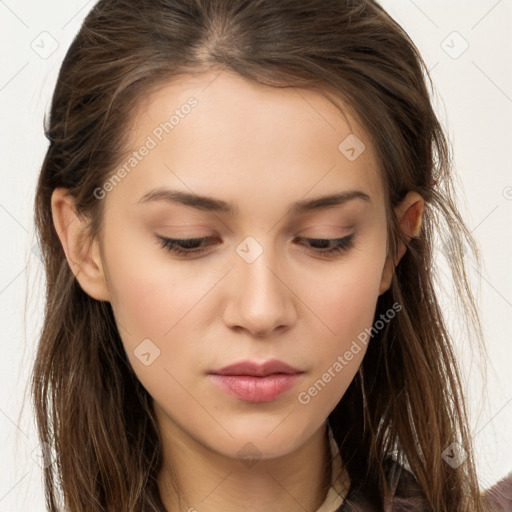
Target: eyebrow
[{"x": 211, "y": 204}]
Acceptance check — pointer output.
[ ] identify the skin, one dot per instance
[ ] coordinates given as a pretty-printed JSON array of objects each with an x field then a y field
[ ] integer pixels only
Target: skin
[{"x": 263, "y": 149}]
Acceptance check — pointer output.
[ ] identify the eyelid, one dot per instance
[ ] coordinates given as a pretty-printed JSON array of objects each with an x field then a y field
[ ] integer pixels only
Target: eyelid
[{"x": 175, "y": 245}]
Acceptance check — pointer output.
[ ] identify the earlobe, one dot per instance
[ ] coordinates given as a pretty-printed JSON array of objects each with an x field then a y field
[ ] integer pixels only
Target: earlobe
[
  {"x": 409, "y": 217},
  {"x": 82, "y": 254}
]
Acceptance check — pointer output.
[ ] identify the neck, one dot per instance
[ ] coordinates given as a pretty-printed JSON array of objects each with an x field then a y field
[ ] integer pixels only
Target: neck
[{"x": 211, "y": 482}]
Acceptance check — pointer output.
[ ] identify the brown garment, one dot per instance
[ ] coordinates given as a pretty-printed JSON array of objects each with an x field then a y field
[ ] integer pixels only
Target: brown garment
[
  {"x": 499, "y": 496},
  {"x": 407, "y": 495}
]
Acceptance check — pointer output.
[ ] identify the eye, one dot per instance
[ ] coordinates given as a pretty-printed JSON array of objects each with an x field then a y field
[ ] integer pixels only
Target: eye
[
  {"x": 331, "y": 246},
  {"x": 195, "y": 246},
  {"x": 184, "y": 247}
]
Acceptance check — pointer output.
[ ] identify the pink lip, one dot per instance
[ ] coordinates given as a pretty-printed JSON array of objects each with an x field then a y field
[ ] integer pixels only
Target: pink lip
[
  {"x": 254, "y": 382},
  {"x": 257, "y": 369}
]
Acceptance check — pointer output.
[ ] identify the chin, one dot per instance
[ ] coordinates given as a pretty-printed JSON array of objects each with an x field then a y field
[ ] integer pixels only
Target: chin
[{"x": 264, "y": 439}]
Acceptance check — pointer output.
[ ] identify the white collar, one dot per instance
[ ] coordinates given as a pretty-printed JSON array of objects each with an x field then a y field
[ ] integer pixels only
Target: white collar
[{"x": 337, "y": 491}]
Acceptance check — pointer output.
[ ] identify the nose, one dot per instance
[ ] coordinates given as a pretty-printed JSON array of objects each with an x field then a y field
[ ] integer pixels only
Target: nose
[{"x": 260, "y": 296}]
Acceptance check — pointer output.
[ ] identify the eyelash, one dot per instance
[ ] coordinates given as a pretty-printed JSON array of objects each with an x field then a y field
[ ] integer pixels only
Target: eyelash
[{"x": 176, "y": 245}]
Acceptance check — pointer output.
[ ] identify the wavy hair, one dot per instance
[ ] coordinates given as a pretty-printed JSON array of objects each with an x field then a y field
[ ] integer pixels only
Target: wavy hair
[{"x": 406, "y": 400}]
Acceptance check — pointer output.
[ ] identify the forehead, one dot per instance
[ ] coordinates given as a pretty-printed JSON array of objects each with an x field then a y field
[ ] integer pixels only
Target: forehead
[{"x": 218, "y": 133}]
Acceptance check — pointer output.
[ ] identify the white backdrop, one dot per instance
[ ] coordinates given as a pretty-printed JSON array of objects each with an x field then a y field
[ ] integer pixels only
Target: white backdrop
[{"x": 467, "y": 46}]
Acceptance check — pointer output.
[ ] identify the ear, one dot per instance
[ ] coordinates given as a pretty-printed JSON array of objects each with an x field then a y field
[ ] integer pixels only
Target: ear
[
  {"x": 82, "y": 253},
  {"x": 408, "y": 214}
]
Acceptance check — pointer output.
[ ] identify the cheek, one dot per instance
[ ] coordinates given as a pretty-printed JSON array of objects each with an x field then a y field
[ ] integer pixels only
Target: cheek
[
  {"x": 156, "y": 304},
  {"x": 152, "y": 295},
  {"x": 338, "y": 356},
  {"x": 345, "y": 299},
  {"x": 345, "y": 303}
]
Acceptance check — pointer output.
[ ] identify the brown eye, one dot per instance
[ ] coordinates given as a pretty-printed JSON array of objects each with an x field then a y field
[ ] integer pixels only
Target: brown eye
[
  {"x": 331, "y": 245},
  {"x": 195, "y": 246},
  {"x": 184, "y": 247}
]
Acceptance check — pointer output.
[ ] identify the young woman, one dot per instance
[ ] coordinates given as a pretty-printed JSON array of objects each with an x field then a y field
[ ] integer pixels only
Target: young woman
[{"x": 238, "y": 212}]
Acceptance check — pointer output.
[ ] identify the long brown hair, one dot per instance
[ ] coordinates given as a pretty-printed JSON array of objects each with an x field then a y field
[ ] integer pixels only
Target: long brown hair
[{"x": 406, "y": 400}]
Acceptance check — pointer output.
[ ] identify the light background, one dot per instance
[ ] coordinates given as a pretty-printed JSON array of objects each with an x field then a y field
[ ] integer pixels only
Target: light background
[{"x": 474, "y": 101}]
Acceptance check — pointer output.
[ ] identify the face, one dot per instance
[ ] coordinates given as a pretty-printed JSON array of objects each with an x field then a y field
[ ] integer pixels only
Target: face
[{"x": 260, "y": 271}]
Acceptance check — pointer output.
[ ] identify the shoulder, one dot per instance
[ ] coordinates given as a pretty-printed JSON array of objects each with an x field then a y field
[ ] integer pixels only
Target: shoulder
[
  {"x": 499, "y": 497},
  {"x": 404, "y": 485},
  {"x": 406, "y": 494}
]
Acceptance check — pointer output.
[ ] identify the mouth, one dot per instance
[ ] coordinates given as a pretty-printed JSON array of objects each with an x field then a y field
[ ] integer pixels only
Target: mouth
[{"x": 254, "y": 382}]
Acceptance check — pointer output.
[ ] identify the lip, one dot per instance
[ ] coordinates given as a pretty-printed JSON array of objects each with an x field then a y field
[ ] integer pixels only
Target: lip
[
  {"x": 256, "y": 382},
  {"x": 256, "y": 369}
]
